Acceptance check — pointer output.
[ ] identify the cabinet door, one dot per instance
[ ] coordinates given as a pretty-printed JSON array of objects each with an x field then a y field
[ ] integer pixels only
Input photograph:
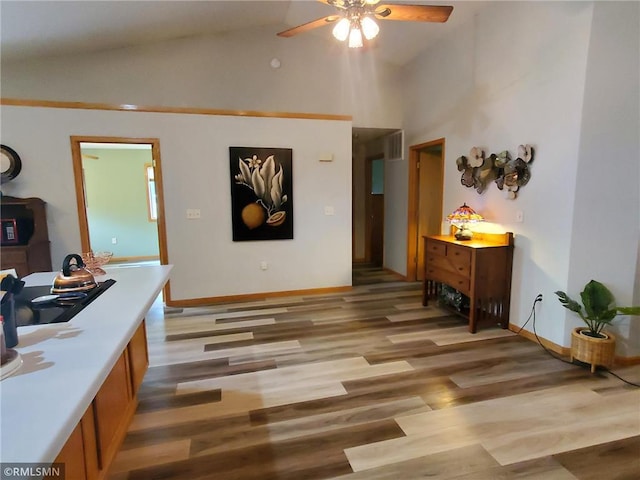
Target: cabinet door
[
  {"x": 72, "y": 456},
  {"x": 138, "y": 356},
  {"x": 112, "y": 404},
  {"x": 79, "y": 453}
]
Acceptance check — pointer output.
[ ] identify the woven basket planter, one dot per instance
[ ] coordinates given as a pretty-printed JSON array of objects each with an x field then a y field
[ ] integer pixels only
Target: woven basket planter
[{"x": 595, "y": 351}]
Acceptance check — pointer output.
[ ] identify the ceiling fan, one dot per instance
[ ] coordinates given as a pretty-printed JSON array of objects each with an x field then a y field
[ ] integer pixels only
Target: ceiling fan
[{"x": 356, "y": 18}]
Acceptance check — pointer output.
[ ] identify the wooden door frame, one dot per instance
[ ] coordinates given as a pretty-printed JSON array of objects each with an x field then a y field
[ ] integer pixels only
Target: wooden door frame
[
  {"x": 413, "y": 190},
  {"x": 367, "y": 204},
  {"x": 81, "y": 200}
]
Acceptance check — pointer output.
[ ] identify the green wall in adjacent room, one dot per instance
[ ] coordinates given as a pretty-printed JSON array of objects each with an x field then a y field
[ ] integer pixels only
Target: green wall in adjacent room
[{"x": 116, "y": 192}]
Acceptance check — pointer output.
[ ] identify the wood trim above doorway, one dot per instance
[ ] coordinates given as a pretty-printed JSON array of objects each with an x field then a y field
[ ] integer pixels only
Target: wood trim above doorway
[{"x": 19, "y": 102}]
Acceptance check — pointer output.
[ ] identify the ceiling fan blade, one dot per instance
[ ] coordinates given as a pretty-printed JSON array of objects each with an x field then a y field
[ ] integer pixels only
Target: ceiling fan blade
[
  {"x": 415, "y": 13},
  {"x": 305, "y": 27}
]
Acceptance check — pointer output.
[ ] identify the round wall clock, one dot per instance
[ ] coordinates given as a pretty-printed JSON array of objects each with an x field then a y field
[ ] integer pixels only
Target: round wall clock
[{"x": 10, "y": 163}]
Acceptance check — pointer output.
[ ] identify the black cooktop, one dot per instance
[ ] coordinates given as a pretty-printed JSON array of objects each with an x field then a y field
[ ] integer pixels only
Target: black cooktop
[{"x": 55, "y": 311}]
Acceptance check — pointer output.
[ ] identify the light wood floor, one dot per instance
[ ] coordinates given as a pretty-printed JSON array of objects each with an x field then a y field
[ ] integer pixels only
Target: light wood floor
[{"x": 368, "y": 385}]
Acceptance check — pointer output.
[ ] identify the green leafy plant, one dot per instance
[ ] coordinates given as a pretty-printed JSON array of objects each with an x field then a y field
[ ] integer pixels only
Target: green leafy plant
[{"x": 599, "y": 307}]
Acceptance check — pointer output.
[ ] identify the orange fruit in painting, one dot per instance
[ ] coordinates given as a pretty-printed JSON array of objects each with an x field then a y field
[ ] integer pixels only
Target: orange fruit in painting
[
  {"x": 253, "y": 215},
  {"x": 276, "y": 219}
]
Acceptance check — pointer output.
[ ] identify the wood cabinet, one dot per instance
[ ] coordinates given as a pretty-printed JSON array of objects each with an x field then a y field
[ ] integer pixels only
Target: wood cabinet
[
  {"x": 138, "y": 357},
  {"x": 29, "y": 251},
  {"x": 479, "y": 268},
  {"x": 94, "y": 443},
  {"x": 79, "y": 454},
  {"x": 112, "y": 406}
]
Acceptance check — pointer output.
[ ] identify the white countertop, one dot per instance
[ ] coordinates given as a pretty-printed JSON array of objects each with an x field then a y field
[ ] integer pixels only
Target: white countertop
[{"x": 64, "y": 364}]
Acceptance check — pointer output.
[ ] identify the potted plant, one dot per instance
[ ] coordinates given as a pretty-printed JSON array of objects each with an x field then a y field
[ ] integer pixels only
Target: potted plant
[{"x": 591, "y": 344}]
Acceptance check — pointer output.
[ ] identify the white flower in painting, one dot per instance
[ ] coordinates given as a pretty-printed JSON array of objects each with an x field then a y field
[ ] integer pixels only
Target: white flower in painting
[
  {"x": 265, "y": 179},
  {"x": 245, "y": 173},
  {"x": 254, "y": 162}
]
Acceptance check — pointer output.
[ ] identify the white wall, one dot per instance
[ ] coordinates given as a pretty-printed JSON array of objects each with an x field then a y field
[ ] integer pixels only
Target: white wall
[
  {"x": 518, "y": 74},
  {"x": 196, "y": 174},
  {"x": 225, "y": 71},
  {"x": 606, "y": 222}
]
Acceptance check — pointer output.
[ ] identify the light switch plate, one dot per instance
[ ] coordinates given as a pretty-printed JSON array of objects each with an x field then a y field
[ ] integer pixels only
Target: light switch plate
[
  {"x": 193, "y": 213},
  {"x": 329, "y": 211}
]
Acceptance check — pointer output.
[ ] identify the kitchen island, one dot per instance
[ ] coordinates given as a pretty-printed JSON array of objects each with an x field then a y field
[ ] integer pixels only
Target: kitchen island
[{"x": 67, "y": 365}]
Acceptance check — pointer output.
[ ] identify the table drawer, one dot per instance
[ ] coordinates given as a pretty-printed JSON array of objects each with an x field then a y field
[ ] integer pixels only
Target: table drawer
[
  {"x": 460, "y": 260},
  {"x": 459, "y": 255},
  {"x": 435, "y": 247},
  {"x": 452, "y": 265},
  {"x": 460, "y": 283}
]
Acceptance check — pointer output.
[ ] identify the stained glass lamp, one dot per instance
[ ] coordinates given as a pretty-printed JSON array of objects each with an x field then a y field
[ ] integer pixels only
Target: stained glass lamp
[{"x": 461, "y": 218}]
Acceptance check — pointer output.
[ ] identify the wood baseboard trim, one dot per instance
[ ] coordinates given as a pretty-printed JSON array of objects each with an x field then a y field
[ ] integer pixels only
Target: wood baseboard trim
[
  {"x": 554, "y": 347},
  {"x": 200, "y": 302},
  {"x": 566, "y": 351},
  {"x": 626, "y": 361}
]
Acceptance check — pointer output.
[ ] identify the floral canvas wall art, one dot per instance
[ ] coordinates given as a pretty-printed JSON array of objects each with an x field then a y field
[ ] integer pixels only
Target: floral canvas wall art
[{"x": 261, "y": 193}]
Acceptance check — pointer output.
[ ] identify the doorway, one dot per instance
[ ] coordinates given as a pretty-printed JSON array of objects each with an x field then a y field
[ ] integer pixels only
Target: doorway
[
  {"x": 119, "y": 197},
  {"x": 426, "y": 188},
  {"x": 368, "y": 145},
  {"x": 374, "y": 211}
]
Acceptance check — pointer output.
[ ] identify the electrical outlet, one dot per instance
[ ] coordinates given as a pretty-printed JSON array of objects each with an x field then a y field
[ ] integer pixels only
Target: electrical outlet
[
  {"x": 264, "y": 265},
  {"x": 114, "y": 240},
  {"x": 193, "y": 213}
]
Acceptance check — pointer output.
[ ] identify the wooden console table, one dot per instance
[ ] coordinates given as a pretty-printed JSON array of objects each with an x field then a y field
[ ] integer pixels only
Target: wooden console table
[
  {"x": 479, "y": 268},
  {"x": 31, "y": 250}
]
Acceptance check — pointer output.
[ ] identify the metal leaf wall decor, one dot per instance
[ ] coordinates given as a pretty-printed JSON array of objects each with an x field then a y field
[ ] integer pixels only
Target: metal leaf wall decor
[{"x": 508, "y": 174}]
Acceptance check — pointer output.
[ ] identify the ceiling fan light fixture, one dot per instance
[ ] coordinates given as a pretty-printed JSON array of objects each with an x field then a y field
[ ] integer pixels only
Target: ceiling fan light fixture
[
  {"x": 341, "y": 30},
  {"x": 369, "y": 28},
  {"x": 355, "y": 37}
]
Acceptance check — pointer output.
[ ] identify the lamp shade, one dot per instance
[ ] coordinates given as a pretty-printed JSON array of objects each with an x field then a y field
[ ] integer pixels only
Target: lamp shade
[
  {"x": 461, "y": 217},
  {"x": 464, "y": 214}
]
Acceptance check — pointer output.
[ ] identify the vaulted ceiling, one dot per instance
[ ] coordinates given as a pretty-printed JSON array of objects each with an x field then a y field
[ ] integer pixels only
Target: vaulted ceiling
[{"x": 49, "y": 28}]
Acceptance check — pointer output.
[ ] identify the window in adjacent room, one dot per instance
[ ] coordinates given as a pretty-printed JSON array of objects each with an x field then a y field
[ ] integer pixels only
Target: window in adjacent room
[{"x": 152, "y": 207}]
